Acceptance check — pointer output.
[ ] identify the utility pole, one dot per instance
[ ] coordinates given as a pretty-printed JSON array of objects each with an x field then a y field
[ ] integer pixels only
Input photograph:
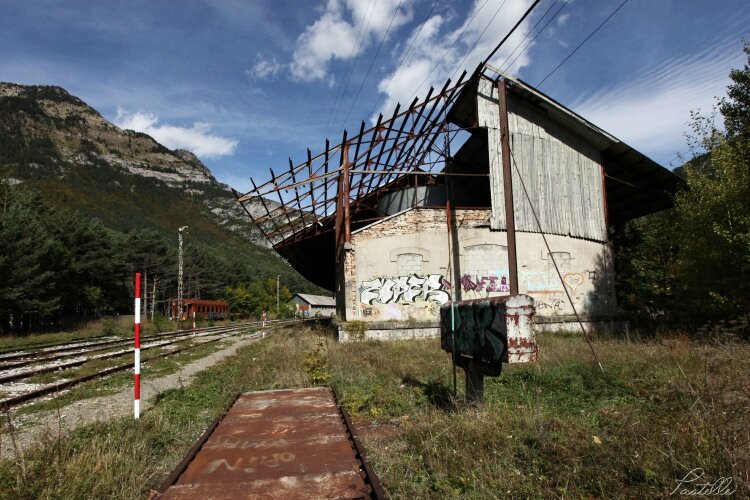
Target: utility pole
[
  {"x": 179, "y": 275},
  {"x": 277, "y": 295}
]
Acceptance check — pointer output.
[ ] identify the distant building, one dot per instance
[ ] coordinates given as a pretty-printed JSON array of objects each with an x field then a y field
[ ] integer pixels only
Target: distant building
[{"x": 313, "y": 305}]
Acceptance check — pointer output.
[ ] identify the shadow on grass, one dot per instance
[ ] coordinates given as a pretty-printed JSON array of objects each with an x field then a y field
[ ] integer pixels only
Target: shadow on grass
[{"x": 437, "y": 392}]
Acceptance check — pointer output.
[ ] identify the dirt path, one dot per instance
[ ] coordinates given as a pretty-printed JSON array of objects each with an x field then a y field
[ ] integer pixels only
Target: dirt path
[{"x": 91, "y": 410}]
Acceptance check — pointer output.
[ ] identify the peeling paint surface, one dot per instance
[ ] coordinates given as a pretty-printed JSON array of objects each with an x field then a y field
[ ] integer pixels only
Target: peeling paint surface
[{"x": 289, "y": 443}]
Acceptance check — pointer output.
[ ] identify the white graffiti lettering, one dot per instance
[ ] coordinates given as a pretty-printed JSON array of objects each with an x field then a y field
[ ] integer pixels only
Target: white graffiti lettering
[{"x": 409, "y": 289}]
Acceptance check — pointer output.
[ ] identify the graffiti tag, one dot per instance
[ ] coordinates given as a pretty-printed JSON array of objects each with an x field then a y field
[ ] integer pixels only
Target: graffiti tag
[
  {"x": 273, "y": 461},
  {"x": 405, "y": 289},
  {"x": 573, "y": 280},
  {"x": 484, "y": 283}
]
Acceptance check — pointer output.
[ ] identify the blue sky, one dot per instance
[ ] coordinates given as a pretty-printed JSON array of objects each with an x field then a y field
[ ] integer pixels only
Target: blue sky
[{"x": 246, "y": 84}]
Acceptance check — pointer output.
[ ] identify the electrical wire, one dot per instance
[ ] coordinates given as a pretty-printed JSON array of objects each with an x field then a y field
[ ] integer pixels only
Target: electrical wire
[
  {"x": 525, "y": 15},
  {"x": 385, "y": 35},
  {"x": 346, "y": 77},
  {"x": 584, "y": 41},
  {"x": 557, "y": 269},
  {"x": 447, "y": 51},
  {"x": 529, "y": 32},
  {"x": 414, "y": 39},
  {"x": 460, "y": 65},
  {"x": 535, "y": 36}
]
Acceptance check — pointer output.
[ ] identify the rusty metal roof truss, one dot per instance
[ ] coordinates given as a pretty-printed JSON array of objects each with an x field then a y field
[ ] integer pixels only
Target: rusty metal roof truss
[{"x": 405, "y": 144}]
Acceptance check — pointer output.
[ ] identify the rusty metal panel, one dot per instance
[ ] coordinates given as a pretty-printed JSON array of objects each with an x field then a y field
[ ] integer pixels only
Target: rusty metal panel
[
  {"x": 519, "y": 315},
  {"x": 291, "y": 443},
  {"x": 489, "y": 331},
  {"x": 338, "y": 485}
]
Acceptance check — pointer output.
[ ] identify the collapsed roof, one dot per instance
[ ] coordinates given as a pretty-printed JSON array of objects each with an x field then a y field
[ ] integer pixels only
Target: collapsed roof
[{"x": 412, "y": 149}]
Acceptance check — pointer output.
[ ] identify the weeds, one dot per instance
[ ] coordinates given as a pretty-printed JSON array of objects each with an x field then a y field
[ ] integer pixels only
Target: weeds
[
  {"x": 555, "y": 429},
  {"x": 316, "y": 365}
]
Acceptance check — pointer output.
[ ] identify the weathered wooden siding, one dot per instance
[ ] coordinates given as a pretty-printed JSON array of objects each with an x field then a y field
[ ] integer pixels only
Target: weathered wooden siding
[{"x": 562, "y": 173}]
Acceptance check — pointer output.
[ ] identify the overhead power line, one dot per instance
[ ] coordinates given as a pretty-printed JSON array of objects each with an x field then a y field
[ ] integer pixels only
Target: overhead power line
[
  {"x": 385, "y": 35},
  {"x": 535, "y": 36},
  {"x": 541, "y": 18},
  {"x": 525, "y": 15},
  {"x": 447, "y": 51},
  {"x": 460, "y": 65},
  {"x": 414, "y": 39},
  {"x": 584, "y": 41},
  {"x": 346, "y": 77}
]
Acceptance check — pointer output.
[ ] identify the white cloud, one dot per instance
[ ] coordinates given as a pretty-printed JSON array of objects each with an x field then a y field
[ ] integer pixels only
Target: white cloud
[
  {"x": 652, "y": 111},
  {"x": 334, "y": 35},
  {"x": 435, "y": 40},
  {"x": 563, "y": 19},
  {"x": 264, "y": 68},
  {"x": 195, "y": 138}
]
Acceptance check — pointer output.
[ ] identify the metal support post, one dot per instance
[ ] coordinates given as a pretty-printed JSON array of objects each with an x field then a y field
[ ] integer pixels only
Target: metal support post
[
  {"x": 179, "y": 275},
  {"x": 474, "y": 384},
  {"x": 510, "y": 217}
]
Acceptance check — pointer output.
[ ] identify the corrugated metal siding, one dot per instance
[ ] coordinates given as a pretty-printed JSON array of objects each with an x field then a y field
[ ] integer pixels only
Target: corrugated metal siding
[{"x": 562, "y": 172}]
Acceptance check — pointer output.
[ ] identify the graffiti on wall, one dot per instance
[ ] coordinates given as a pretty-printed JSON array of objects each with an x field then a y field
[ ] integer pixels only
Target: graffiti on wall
[
  {"x": 484, "y": 283},
  {"x": 573, "y": 280},
  {"x": 431, "y": 287}
]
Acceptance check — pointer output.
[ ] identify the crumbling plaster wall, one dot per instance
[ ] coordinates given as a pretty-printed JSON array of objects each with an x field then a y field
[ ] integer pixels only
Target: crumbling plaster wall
[{"x": 398, "y": 268}]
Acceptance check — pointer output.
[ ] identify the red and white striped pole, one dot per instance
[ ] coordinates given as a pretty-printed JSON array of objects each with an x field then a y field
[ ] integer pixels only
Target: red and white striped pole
[
  {"x": 193, "y": 319},
  {"x": 137, "y": 350}
]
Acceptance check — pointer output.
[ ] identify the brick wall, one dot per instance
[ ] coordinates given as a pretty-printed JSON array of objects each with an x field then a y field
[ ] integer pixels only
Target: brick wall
[
  {"x": 420, "y": 220},
  {"x": 409, "y": 263}
]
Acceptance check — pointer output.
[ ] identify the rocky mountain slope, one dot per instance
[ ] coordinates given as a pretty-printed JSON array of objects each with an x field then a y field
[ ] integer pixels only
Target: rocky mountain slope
[{"x": 55, "y": 142}]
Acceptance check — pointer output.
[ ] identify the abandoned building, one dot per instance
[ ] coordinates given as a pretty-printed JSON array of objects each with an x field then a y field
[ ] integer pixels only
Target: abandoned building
[
  {"x": 411, "y": 213},
  {"x": 307, "y": 305}
]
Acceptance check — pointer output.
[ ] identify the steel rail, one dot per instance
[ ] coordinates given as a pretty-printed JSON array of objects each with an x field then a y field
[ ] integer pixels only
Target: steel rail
[
  {"x": 67, "y": 384},
  {"x": 42, "y": 345},
  {"x": 25, "y": 353},
  {"x": 39, "y": 356},
  {"x": 68, "y": 346},
  {"x": 116, "y": 354},
  {"x": 371, "y": 479}
]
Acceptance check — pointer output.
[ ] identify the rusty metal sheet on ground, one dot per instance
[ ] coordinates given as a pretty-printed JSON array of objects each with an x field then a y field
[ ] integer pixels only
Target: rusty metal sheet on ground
[{"x": 290, "y": 443}]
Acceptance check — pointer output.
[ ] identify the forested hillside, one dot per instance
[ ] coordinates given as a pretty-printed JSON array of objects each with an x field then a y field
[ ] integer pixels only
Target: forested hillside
[{"x": 86, "y": 204}]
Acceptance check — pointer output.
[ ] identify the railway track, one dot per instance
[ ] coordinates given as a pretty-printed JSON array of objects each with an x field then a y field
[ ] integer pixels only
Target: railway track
[
  {"x": 223, "y": 333},
  {"x": 40, "y": 357},
  {"x": 112, "y": 355},
  {"x": 26, "y": 353},
  {"x": 42, "y": 345}
]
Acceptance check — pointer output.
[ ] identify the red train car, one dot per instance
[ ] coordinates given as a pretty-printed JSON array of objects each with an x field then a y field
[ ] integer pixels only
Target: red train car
[{"x": 207, "y": 309}]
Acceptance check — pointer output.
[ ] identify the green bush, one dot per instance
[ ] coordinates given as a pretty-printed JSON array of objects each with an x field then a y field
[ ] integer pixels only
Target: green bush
[{"x": 161, "y": 323}]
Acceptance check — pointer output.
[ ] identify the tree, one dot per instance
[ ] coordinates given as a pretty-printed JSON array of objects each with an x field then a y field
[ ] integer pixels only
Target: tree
[
  {"x": 95, "y": 277},
  {"x": 31, "y": 261},
  {"x": 713, "y": 262},
  {"x": 256, "y": 298},
  {"x": 735, "y": 107},
  {"x": 694, "y": 261},
  {"x": 153, "y": 255}
]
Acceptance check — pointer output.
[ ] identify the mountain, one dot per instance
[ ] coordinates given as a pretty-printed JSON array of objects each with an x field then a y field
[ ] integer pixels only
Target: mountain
[{"x": 55, "y": 143}]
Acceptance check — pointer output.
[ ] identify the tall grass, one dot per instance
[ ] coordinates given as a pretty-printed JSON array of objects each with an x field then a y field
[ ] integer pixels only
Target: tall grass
[{"x": 558, "y": 428}]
